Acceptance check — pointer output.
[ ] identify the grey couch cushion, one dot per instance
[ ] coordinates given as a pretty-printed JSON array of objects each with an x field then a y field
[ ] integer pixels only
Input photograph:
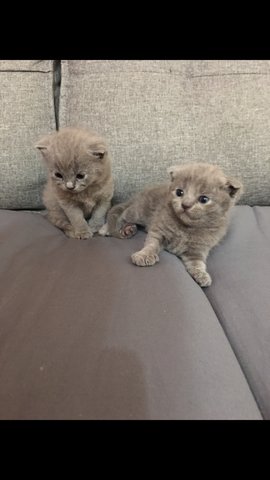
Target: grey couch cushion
[
  {"x": 27, "y": 112},
  {"x": 240, "y": 295},
  {"x": 159, "y": 113},
  {"x": 84, "y": 334}
]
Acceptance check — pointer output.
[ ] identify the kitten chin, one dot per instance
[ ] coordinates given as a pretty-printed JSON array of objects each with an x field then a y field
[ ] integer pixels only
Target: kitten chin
[
  {"x": 80, "y": 184},
  {"x": 187, "y": 217}
]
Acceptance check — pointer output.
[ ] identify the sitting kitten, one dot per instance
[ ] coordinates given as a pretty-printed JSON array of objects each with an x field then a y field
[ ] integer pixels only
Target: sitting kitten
[
  {"x": 79, "y": 184},
  {"x": 186, "y": 217}
]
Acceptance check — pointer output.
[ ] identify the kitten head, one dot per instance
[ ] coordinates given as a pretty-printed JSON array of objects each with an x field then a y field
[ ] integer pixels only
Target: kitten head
[
  {"x": 75, "y": 158},
  {"x": 201, "y": 194}
]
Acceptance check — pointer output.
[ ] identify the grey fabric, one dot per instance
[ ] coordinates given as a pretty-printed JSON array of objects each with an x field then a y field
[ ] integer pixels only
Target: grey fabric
[
  {"x": 158, "y": 113},
  {"x": 84, "y": 334},
  {"x": 240, "y": 295},
  {"x": 27, "y": 113}
]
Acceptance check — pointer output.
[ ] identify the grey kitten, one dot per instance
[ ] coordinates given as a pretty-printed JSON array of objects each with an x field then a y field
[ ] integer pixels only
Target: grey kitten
[
  {"x": 79, "y": 183},
  {"x": 186, "y": 217}
]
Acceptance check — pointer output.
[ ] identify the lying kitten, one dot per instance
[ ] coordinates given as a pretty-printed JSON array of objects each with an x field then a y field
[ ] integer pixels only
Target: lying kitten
[
  {"x": 186, "y": 217},
  {"x": 79, "y": 183}
]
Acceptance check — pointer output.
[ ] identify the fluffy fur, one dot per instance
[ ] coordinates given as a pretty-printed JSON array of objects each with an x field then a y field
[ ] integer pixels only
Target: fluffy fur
[
  {"x": 79, "y": 183},
  {"x": 187, "y": 217}
]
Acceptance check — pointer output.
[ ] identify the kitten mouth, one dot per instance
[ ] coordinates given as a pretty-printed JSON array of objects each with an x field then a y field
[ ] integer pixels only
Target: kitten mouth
[
  {"x": 74, "y": 190},
  {"x": 190, "y": 219},
  {"x": 186, "y": 217},
  {"x": 186, "y": 213},
  {"x": 70, "y": 190}
]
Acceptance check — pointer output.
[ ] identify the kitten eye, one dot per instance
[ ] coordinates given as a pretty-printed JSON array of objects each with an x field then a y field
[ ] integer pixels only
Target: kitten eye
[
  {"x": 58, "y": 175},
  {"x": 80, "y": 176},
  {"x": 203, "y": 199},
  {"x": 179, "y": 192}
]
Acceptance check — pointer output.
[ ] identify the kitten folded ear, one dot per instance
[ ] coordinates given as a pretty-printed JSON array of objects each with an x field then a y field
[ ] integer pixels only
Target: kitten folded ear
[
  {"x": 97, "y": 152},
  {"x": 43, "y": 146},
  {"x": 234, "y": 188},
  {"x": 173, "y": 171}
]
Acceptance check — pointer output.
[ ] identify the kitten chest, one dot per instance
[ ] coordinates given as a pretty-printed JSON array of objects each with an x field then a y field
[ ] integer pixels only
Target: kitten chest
[
  {"x": 86, "y": 205},
  {"x": 195, "y": 240}
]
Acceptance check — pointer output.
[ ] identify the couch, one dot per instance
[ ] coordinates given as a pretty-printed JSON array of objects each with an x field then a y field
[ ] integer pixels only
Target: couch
[{"x": 86, "y": 335}]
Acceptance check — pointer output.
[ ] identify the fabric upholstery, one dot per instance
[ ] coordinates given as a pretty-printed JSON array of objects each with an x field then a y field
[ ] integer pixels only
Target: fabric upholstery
[
  {"x": 240, "y": 268},
  {"x": 159, "y": 113},
  {"x": 27, "y": 113},
  {"x": 84, "y": 334}
]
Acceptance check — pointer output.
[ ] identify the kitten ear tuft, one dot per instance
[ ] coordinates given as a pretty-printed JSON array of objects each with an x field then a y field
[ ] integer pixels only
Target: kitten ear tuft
[{"x": 234, "y": 187}]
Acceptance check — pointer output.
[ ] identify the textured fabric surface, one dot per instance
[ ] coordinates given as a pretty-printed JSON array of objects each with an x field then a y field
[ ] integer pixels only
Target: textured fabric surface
[
  {"x": 240, "y": 295},
  {"x": 84, "y": 334},
  {"x": 159, "y": 113},
  {"x": 27, "y": 112}
]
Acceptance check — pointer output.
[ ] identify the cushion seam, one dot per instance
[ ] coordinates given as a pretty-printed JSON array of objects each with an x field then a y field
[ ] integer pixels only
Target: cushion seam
[{"x": 214, "y": 307}]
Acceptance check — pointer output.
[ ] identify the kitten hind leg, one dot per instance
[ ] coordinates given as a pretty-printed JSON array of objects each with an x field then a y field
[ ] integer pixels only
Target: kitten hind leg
[
  {"x": 119, "y": 223},
  {"x": 126, "y": 223}
]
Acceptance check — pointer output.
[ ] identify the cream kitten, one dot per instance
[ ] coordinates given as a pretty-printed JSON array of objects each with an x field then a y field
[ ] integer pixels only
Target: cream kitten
[
  {"x": 79, "y": 182},
  {"x": 186, "y": 217}
]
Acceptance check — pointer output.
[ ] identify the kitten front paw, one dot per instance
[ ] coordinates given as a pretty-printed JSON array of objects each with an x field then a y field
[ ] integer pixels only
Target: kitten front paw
[
  {"x": 202, "y": 278},
  {"x": 94, "y": 227},
  {"x": 104, "y": 230},
  {"x": 81, "y": 234},
  {"x": 144, "y": 260}
]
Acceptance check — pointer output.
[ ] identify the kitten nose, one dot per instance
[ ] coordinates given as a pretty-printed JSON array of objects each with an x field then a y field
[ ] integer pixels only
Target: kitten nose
[
  {"x": 70, "y": 186},
  {"x": 186, "y": 205}
]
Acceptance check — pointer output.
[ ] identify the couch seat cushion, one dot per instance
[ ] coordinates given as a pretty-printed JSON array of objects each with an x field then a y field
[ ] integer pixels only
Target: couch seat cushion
[
  {"x": 84, "y": 334},
  {"x": 240, "y": 295}
]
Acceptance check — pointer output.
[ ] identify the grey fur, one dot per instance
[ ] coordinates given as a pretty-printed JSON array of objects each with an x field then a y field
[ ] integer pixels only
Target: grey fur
[
  {"x": 71, "y": 201},
  {"x": 189, "y": 233}
]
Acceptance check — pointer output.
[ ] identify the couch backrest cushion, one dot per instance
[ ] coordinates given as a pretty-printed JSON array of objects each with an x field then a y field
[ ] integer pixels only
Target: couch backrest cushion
[
  {"x": 27, "y": 112},
  {"x": 159, "y": 113}
]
